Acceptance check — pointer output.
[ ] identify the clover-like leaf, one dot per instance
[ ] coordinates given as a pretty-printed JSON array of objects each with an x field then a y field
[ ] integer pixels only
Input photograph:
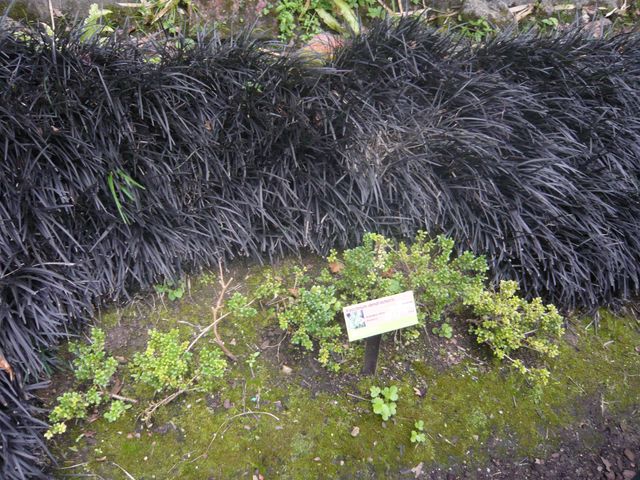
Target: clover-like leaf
[
  {"x": 390, "y": 393},
  {"x": 375, "y": 391}
]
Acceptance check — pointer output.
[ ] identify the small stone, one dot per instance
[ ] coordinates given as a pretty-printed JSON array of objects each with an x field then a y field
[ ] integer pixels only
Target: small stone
[
  {"x": 279, "y": 427},
  {"x": 317, "y": 459},
  {"x": 630, "y": 455},
  {"x": 355, "y": 432},
  {"x": 628, "y": 474},
  {"x": 287, "y": 370},
  {"x": 555, "y": 456},
  {"x": 130, "y": 435},
  {"x": 227, "y": 404}
]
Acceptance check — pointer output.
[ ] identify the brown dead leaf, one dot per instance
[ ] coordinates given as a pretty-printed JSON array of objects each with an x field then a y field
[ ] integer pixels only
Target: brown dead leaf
[
  {"x": 336, "y": 267},
  {"x": 388, "y": 273},
  {"x": 117, "y": 386},
  {"x": 417, "y": 470},
  {"x": 355, "y": 432},
  {"x": 93, "y": 417},
  {"x": 294, "y": 292},
  {"x": 630, "y": 455},
  {"x": 606, "y": 463},
  {"x": 101, "y": 459},
  {"x": 418, "y": 392},
  {"x": 628, "y": 474},
  {"x": 4, "y": 365}
]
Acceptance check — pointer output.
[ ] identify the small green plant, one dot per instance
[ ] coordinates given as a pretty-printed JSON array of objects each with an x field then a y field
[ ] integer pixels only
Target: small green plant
[
  {"x": 307, "y": 18},
  {"x": 239, "y": 306},
  {"x": 445, "y": 330},
  {"x": 116, "y": 410},
  {"x": 173, "y": 290},
  {"x": 123, "y": 188},
  {"x": 311, "y": 315},
  {"x": 383, "y": 401},
  {"x": 92, "y": 366},
  {"x": 211, "y": 367},
  {"x": 91, "y": 362},
  {"x": 96, "y": 23},
  {"x": 508, "y": 322},
  {"x": 379, "y": 267},
  {"x": 417, "y": 435},
  {"x": 548, "y": 24},
  {"x": 165, "y": 364},
  {"x": 476, "y": 29}
]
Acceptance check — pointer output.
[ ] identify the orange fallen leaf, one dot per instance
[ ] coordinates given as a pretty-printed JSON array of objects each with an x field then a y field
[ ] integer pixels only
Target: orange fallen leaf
[
  {"x": 294, "y": 292},
  {"x": 336, "y": 267},
  {"x": 4, "y": 365}
]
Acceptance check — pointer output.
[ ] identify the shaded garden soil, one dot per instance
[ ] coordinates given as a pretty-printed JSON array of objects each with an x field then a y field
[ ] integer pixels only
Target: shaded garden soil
[{"x": 285, "y": 416}]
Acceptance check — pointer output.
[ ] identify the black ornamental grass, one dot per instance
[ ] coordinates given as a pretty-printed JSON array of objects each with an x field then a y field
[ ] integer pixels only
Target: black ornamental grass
[{"x": 124, "y": 165}]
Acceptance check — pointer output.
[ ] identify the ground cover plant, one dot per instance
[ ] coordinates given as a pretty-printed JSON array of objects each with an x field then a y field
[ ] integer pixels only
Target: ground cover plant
[{"x": 121, "y": 172}]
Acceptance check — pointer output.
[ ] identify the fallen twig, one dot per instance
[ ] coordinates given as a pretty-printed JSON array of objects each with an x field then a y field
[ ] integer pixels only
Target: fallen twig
[{"x": 216, "y": 319}]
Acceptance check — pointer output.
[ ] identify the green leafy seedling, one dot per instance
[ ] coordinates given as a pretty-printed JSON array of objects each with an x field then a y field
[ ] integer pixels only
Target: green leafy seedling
[
  {"x": 418, "y": 436},
  {"x": 383, "y": 401}
]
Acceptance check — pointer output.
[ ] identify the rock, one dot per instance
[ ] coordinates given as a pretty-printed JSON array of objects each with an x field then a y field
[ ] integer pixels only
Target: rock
[
  {"x": 287, "y": 370},
  {"x": 628, "y": 474}
]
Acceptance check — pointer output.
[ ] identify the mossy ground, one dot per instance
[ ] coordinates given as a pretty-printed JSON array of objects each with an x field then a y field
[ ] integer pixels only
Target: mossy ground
[{"x": 295, "y": 425}]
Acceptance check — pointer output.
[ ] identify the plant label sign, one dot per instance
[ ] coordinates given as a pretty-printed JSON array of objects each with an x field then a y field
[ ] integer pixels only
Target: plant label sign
[{"x": 380, "y": 315}]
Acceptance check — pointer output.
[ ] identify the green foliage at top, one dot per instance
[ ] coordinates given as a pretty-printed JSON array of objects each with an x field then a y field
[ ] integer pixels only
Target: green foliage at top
[
  {"x": 165, "y": 364},
  {"x": 96, "y": 23},
  {"x": 307, "y": 18},
  {"x": 383, "y": 401},
  {"x": 476, "y": 29}
]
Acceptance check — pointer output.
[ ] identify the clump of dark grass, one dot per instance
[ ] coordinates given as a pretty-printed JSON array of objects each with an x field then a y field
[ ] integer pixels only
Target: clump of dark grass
[
  {"x": 525, "y": 149},
  {"x": 22, "y": 449},
  {"x": 125, "y": 165}
]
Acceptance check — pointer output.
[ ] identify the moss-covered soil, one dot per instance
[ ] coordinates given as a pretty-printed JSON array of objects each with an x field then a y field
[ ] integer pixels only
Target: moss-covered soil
[{"x": 285, "y": 417}]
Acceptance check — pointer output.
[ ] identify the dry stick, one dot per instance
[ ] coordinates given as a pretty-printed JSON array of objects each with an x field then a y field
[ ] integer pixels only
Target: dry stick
[
  {"x": 124, "y": 399},
  {"x": 150, "y": 410},
  {"x": 216, "y": 320},
  {"x": 131, "y": 477},
  {"x": 229, "y": 420}
]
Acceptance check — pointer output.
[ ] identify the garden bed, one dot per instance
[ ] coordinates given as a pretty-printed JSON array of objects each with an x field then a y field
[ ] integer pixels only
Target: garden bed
[{"x": 280, "y": 414}]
